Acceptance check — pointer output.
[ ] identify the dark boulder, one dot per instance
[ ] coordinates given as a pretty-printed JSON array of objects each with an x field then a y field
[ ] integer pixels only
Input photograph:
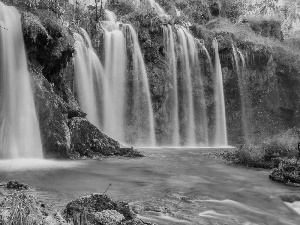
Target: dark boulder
[
  {"x": 16, "y": 185},
  {"x": 100, "y": 209},
  {"x": 288, "y": 172}
]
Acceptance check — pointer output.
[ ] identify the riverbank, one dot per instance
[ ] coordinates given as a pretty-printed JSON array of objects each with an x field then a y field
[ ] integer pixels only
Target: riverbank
[{"x": 278, "y": 153}]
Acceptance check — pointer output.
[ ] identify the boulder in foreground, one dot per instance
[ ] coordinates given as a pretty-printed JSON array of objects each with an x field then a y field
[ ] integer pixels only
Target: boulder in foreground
[{"x": 100, "y": 209}]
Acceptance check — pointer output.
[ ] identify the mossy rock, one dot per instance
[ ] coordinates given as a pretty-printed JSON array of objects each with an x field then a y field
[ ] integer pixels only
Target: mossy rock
[
  {"x": 52, "y": 114},
  {"x": 288, "y": 172},
  {"x": 49, "y": 42}
]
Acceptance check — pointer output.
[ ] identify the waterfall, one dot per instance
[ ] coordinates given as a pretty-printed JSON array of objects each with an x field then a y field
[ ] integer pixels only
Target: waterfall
[
  {"x": 124, "y": 93},
  {"x": 187, "y": 48},
  {"x": 115, "y": 80},
  {"x": 142, "y": 105},
  {"x": 172, "y": 98},
  {"x": 220, "y": 139},
  {"x": 123, "y": 96},
  {"x": 88, "y": 72},
  {"x": 243, "y": 88},
  {"x": 19, "y": 127},
  {"x": 184, "y": 111}
]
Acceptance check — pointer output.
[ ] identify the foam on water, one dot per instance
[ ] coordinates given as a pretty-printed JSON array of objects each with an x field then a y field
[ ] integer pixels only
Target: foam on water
[
  {"x": 37, "y": 164},
  {"x": 241, "y": 208},
  {"x": 294, "y": 206}
]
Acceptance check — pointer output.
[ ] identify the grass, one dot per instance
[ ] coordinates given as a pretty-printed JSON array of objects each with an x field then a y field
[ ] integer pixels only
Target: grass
[{"x": 20, "y": 208}]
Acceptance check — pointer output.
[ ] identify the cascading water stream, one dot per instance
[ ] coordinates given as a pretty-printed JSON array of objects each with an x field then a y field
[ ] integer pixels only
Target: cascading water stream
[
  {"x": 114, "y": 116},
  {"x": 88, "y": 72},
  {"x": 220, "y": 120},
  {"x": 172, "y": 99},
  {"x": 143, "y": 112},
  {"x": 187, "y": 49},
  {"x": 126, "y": 113},
  {"x": 243, "y": 88},
  {"x": 19, "y": 127}
]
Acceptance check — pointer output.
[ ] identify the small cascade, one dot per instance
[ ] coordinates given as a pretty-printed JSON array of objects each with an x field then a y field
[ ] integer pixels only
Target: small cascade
[
  {"x": 243, "y": 88},
  {"x": 187, "y": 47},
  {"x": 186, "y": 111},
  {"x": 114, "y": 80},
  {"x": 220, "y": 120},
  {"x": 142, "y": 106},
  {"x": 88, "y": 72},
  {"x": 19, "y": 127},
  {"x": 123, "y": 96},
  {"x": 172, "y": 98}
]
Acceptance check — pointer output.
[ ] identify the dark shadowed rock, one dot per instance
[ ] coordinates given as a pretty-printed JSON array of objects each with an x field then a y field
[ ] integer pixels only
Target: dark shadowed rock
[
  {"x": 290, "y": 198},
  {"x": 52, "y": 115},
  {"x": 288, "y": 172},
  {"x": 16, "y": 185}
]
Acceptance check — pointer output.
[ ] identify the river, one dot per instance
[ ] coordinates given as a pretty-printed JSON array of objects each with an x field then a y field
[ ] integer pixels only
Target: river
[{"x": 172, "y": 186}]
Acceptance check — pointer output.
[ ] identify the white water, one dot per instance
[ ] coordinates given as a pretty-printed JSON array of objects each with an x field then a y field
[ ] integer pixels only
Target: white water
[
  {"x": 243, "y": 88},
  {"x": 88, "y": 71},
  {"x": 142, "y": 105},
  {"x": 114, "y": 80},
  {"x": 187, "y": 49},
  {"x": 220, "y": 121},
  {"x": 124, "y": 95},
  {"x": 19, "y": 128},
  {"x": 172, "y": 99},
  {"x": 117, "y": 103}
]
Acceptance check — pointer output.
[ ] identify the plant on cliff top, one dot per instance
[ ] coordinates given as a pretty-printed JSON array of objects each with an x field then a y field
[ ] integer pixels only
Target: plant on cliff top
[{"x": 285, "y": 11}]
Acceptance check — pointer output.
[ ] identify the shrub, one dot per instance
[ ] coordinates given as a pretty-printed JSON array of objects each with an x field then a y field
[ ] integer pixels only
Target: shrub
[
  {"x": 267, "y": 154},
  {"x": 121, "y": 8},
  {"x": 281, "y": 145}
]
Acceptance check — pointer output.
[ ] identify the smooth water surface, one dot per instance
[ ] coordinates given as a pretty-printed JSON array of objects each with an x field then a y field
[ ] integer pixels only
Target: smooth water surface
[{"x": 192, "y": 188}]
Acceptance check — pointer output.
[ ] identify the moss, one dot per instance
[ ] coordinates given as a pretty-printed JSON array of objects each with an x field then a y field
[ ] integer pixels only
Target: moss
[
  {"x": 48, "y": 42},
  {"x": 33, "y": 30},
  {"x": 121, "y": 8}
]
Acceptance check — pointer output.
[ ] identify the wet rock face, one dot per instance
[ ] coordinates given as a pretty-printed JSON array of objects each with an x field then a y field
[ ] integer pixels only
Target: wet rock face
[{"x": 52, "y": 115}]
